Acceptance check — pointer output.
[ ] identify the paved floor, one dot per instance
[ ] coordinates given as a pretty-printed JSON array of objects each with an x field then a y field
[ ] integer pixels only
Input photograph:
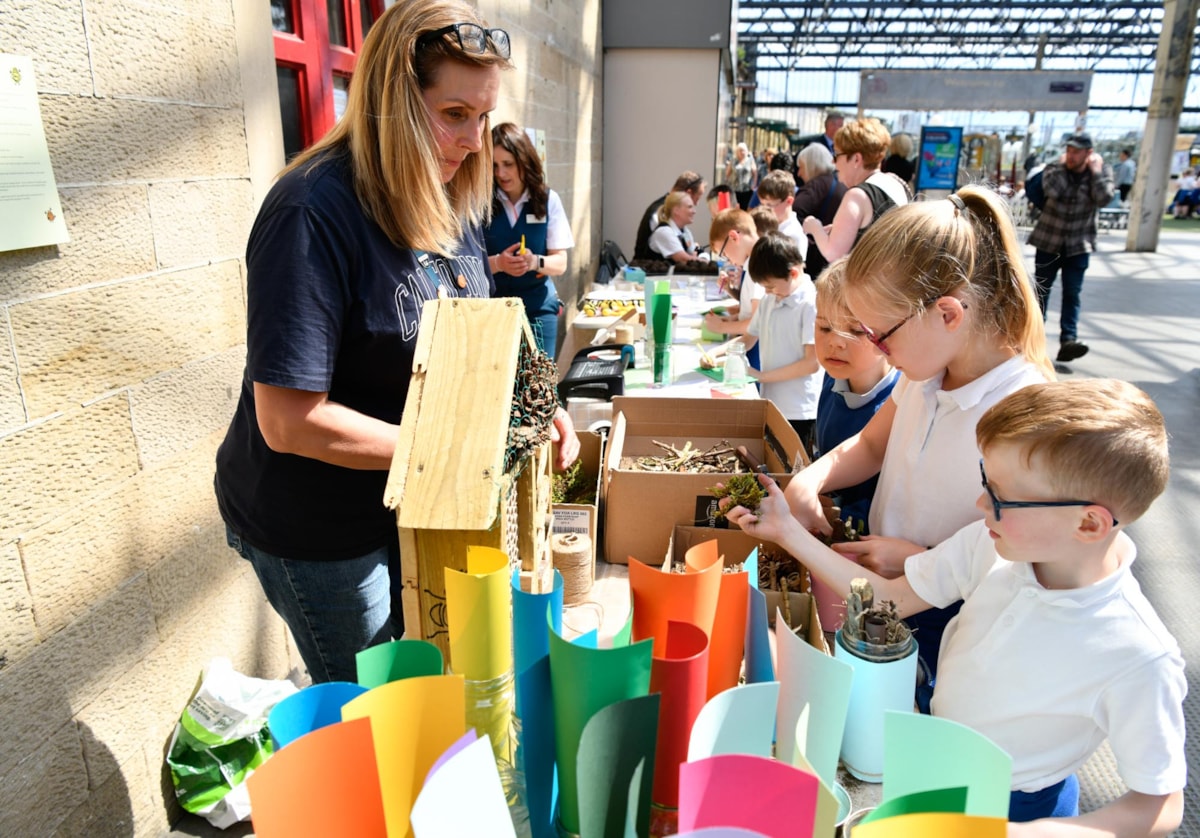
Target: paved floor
[{"x": 1141, "y": 317}]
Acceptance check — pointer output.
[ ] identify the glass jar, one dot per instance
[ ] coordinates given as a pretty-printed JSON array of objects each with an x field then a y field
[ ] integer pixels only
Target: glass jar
[{"x": 737, "y": 372}]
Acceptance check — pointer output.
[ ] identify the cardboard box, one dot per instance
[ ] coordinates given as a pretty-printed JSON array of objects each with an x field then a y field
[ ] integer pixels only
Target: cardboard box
[
  {"x": 583, "y": 518},
  {"x": 805, "y": 622},
  {"x": 642, "y": 508},
  {"x": 733, "y": 544}
]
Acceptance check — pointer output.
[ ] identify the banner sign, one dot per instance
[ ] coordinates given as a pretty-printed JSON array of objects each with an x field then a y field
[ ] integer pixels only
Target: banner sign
[{"x": 937, "y": 162}]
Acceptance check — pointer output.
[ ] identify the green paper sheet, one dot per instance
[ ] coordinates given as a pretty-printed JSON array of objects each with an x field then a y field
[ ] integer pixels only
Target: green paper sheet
[
  {"x": 616, "y": 766},
  {"x": 398, "y": 659},
  {"x": 922, "y": 753},
  {"x": 934, "y": 800},
  {"x": 582, "y": 681}
]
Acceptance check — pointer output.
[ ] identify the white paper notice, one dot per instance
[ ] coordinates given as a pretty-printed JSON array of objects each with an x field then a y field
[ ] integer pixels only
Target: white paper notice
[{"x": 30, "y": 214}]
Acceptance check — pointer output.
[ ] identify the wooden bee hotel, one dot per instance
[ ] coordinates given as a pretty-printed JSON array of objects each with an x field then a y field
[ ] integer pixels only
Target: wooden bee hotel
[{"x": 473, "y": 463}]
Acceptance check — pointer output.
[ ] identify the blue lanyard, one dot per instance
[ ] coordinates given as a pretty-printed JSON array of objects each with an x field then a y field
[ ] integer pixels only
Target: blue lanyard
[{"x": 431, "y": 272}]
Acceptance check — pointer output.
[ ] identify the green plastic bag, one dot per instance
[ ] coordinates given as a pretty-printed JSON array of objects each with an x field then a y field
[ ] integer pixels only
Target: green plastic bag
[{"x": 221, "y": 738}]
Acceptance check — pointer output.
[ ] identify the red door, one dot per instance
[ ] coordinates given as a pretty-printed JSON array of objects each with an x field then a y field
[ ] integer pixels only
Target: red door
[{"x": 316, "y": 48}]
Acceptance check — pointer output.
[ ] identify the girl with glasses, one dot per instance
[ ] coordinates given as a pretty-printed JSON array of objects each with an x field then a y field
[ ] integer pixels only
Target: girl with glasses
[
  {"x": 379, "y": 216},
  {"x": 940, "y": 288}
]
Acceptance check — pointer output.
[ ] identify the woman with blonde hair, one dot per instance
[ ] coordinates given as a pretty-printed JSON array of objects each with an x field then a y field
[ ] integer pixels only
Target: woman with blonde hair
[
  {"x": 941, "y": 289},
  {"x": 360, "y": 230},
  {"x": 900, "y": 161},
  {"x": 672, "y": 239},
  {"x": 859, "y": 147}
]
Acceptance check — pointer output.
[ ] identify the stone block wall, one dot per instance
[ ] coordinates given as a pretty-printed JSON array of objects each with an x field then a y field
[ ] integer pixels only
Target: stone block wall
[{"x": 121, "y": 354}]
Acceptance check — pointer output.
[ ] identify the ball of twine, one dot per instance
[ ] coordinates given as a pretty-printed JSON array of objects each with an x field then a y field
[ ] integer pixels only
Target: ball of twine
[{"x": 572, "y": 556}]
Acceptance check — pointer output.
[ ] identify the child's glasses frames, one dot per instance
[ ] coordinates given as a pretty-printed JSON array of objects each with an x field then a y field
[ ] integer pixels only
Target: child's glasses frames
[
  {"x": 472, "y": 38},
  {"x": 998, "y": 504},
  {"x": 879, "y": 340}
]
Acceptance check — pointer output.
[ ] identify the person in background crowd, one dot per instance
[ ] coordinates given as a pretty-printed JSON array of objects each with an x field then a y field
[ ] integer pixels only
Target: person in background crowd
[
  {"x": 820, "y": 196},
  {"x": 899, "y": 161},
  {"x": 745, "y": 175},
  {"x": 1187, "y": 196},
  {"x": 1076, "y": 186},
  {"x": 834, "y": 120},
  {"x": 688, "y": 182},
  {"x": 764, "y": 163},
  {"x": 672, "y": 239},
  {"x": 782, "y": 161},
  {"x": 713, "y": 199},
  {"x": 347, "y": 247},
  {"x": 529, "y": 236},
  {"x": 777, "y": 193},
  {"x": 1124, "y": 173},
  {"x": 870, "y": 193}
]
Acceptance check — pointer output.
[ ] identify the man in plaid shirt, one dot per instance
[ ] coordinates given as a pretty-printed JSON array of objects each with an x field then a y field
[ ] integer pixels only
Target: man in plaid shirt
[{"x": 1077, "y": 185}]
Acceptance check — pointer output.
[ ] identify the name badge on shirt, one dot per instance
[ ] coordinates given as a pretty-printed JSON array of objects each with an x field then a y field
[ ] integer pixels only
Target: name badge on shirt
[{"x": 535, "y": 219}]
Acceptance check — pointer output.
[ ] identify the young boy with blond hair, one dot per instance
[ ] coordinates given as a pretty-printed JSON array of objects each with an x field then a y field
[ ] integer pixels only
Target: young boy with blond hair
[
  {"x": 858, "y": 381},
  {"x": 1056, "y": 649}
]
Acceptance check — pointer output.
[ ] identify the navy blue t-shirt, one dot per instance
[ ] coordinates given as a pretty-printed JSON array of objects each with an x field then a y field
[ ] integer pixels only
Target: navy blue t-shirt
[{"x": 332, "y": 306}]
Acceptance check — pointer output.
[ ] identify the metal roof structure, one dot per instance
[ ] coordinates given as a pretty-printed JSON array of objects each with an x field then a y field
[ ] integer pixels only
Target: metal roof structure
[{"x": 846, "y": 36}]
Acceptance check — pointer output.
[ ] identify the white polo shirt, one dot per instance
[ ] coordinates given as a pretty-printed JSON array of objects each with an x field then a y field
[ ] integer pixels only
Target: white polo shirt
[
  {"x": 747, "y": 294},
  {"x": 1048, "y": 675},
  {"x": 792, "y": 228},
  {"x": 783, "y": 328},
  {"x": 558, "y": 228},
  {"x": 929, "y": 480},
  {"x": 665, "y": 240}
]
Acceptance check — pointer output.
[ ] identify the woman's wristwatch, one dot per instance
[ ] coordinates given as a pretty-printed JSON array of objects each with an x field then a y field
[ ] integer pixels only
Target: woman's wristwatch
[{"x": 541, "y": 262}]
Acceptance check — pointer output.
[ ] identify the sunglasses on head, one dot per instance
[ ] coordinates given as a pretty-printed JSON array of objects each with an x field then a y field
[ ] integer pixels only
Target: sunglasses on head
[{"x": 472, "y": 38}]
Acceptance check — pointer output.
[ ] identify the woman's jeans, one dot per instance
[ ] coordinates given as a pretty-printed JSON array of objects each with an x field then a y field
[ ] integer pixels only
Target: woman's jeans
[
  {"x": 1046, "y": 268},
  {"x": 334, "y": 609}
]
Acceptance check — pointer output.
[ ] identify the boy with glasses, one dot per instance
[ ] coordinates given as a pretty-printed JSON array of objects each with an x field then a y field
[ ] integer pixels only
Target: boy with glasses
[{"x": 1056, "y": 649}]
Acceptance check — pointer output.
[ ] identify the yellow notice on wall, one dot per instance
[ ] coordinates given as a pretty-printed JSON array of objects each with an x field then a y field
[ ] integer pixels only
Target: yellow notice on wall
[{"x": 30, "y": 214}]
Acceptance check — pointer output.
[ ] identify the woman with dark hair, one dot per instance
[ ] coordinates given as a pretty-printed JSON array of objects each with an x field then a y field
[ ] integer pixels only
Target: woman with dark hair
[
  {"x": 360, "y": 230},
  {"x": 528, "y": 237}
]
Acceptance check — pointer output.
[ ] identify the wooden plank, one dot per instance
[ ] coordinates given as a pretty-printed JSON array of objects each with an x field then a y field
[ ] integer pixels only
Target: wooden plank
[
  {"x": 457, "y": 454},
  {"x": 398, "y": 474}
]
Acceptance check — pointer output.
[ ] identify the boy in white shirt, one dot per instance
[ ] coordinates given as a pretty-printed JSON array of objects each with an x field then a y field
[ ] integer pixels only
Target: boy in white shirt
[
  {"x": 776, "y": 192},
  {"x": 784, "y": 327},
  {"x": 1055, "y": 649}
]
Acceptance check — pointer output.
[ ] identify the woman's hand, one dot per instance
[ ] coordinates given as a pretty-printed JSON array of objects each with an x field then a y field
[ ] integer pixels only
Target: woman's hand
[
  {"x": 511, "y": 262},
  {"x": 812, "y": 225},
  {"x": 566, "y": 442},
  {"x": 881, "y": 554}
]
